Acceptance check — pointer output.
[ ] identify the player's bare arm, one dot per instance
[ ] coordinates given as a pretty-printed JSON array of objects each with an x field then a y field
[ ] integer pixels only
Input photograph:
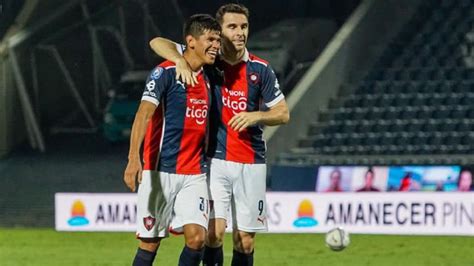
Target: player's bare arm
[
  {"x": 276, "y": 115},
  {"x": 134, "y": 165},
  {"x": 167, "y": 49}
]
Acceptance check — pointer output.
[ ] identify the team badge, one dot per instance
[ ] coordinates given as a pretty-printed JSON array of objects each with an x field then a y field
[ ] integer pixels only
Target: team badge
[
  {"x": 254, "y": 78},
  {"x": 149, "y": 222},
  {"x": 156, "y": 74}
]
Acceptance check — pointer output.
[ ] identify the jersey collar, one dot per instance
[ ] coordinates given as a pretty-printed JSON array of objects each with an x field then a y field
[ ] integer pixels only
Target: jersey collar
[
  {"x": 198, "y": 72},
  {"x": 245, "y": 58}
]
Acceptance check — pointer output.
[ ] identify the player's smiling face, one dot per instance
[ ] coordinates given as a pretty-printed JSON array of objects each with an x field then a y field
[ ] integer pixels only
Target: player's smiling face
[
  {"x": 235, "y": 30},
  {"x": 207, "y": 46}
]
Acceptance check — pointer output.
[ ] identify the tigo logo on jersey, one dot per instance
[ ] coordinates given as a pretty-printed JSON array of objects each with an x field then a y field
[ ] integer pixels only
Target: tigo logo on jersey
[
  {"x": 236, "y": 105},
  {"x": 305, "y": 215},
  {"x": 198, "y": 110},
  {"x": 78, "y": 214}
]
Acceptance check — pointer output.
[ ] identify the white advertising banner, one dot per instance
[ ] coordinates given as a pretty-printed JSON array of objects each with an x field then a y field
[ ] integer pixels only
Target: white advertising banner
[
  {"x": 423, "y": 213},
  {"x": 95, "y": 212},
  {"x": 427, "y": 213}
]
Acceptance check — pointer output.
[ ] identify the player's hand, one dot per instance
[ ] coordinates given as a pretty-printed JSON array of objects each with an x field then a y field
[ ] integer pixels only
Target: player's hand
[
  {"x": 133, "y": 170},
  {"x": 185, "y": 73},
  {"x": 243, "y": 120}
]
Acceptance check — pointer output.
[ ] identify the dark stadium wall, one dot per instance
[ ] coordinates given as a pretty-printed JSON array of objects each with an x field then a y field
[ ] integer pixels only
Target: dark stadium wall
[
  {"x": 265, "y": 13},
  {"x": 12, "y": 126},
  {"x": 68, "y": 33}
]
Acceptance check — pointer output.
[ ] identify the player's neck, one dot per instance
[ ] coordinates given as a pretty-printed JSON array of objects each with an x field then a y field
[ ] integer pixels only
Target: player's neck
[
  {"x": 231, "y": 55},
  {"x": 193, "y": 61}
]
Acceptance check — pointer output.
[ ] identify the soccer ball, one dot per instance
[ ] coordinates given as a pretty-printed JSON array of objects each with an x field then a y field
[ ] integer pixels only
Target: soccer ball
[{"x": 337, "y": 239}]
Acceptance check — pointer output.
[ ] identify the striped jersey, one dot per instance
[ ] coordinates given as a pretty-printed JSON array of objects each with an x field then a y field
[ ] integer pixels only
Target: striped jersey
[
  {"x": 175, "y": 138},
  {"x": 250, "y": 85}
]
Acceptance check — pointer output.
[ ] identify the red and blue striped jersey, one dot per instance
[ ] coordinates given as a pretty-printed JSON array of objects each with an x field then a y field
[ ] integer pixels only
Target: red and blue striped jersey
[
  {"x": 250, "y": 85},
  {"x": 176, "y": 135}
]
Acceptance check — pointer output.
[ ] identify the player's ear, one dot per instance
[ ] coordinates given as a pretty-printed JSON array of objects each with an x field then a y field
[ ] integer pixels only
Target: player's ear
[{"x": 190, "y": 41}]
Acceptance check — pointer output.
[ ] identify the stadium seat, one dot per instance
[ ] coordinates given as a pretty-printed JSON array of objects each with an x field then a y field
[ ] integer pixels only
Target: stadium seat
[{"x": 417, "y": 98}]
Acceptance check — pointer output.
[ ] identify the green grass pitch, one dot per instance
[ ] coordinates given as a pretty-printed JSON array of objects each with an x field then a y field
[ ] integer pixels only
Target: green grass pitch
[{"x": 23, "y": 246}]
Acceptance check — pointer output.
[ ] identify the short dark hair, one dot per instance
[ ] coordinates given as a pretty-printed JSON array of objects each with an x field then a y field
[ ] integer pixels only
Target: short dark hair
[
  {"x": 231, "y": 8},
  {"x": 197, "y": 24}
]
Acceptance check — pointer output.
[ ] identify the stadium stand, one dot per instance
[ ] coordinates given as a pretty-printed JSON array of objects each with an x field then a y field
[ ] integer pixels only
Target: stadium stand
[{"x": 416, "y": 100}]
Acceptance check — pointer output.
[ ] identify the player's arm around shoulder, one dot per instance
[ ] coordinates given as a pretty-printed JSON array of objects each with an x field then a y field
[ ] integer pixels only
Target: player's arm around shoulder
[{"x": 172, "y": 51}]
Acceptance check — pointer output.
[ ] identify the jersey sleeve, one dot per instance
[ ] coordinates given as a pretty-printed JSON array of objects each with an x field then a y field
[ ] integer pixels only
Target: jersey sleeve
[
  {"x": 156, "y": 84},
  {"x": 271, "y": 92}
]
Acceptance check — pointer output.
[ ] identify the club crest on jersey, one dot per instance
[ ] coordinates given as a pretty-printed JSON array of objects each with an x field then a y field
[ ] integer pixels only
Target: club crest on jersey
[
  {"x": 156, "y": 74},
  {"x": 254, "y": 77},
  {"x": 149, "y": 222}
]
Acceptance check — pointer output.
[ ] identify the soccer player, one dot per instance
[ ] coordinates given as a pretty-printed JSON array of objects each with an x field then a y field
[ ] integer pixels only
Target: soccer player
[
  {"x": 172, "y": 121},
  {"x": 237, "y": 168}
]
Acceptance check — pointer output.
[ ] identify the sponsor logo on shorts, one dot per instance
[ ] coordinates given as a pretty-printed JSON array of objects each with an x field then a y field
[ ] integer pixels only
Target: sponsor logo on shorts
[
  {"x": 261, "y": 219},
  {"x": 149, "y": 222}
]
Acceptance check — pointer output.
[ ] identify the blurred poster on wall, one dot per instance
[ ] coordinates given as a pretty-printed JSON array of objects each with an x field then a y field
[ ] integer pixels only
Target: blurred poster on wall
[
  {"x": 440, "y": 178},
  {"x": 369, "y": 179},
  {"x": 404, "y": 178},
  {"x": 423, "y": 178},
  {"x": 334, "y": 179}
]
